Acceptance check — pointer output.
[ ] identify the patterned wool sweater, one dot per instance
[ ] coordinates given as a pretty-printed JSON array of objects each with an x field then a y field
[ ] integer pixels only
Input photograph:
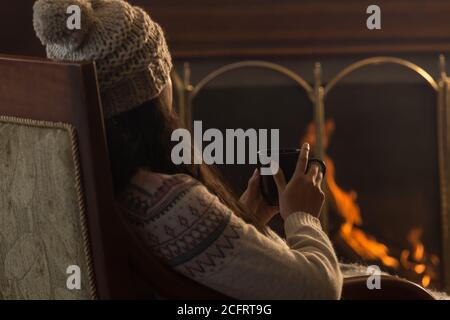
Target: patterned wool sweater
[{"x": 189, "y": 228}]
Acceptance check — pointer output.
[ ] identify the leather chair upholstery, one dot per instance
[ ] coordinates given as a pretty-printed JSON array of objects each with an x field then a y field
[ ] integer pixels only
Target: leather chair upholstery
[{"x": 392, "y": 288}]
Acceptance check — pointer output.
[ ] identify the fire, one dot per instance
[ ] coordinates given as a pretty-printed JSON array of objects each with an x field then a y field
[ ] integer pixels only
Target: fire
[
  {"x": 366, "y": 246},
  {"x": 417, "y": 260}
]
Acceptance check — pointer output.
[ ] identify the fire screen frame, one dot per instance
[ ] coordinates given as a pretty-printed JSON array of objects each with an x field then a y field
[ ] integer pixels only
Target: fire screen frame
[{"x": 317, "y": 94}]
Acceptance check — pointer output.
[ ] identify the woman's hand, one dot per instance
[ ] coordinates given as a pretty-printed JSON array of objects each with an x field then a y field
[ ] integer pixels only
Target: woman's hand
[
  {"x": 304, "y": 191},
  {"x": 253, "y": 200}
]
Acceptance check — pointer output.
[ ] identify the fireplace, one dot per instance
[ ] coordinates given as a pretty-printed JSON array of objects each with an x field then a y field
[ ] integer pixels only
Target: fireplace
[{"x": 384, "y": 140}]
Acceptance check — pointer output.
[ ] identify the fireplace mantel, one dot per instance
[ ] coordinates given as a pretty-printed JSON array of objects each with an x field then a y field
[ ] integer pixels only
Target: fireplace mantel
[
  {"x": 261, "y": 28},
  {"x": 205, "y": 28}
]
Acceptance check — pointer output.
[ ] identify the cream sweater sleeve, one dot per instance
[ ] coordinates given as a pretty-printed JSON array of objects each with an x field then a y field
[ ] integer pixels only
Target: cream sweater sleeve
[
  {"x": 304, "y": 267},
  {"x": 192, "y": 231}
]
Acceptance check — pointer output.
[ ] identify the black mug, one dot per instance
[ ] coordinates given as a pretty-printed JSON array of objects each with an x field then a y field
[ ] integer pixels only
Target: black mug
[{"x": 287, "y": 161}]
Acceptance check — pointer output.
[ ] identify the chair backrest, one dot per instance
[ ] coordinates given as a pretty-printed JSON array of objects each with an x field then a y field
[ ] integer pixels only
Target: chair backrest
[
  {"x": 56, "y": 209},
  {"x": 56, "y": 199}
]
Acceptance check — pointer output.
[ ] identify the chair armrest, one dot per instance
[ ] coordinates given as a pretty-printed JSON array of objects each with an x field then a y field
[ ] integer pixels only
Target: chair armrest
[{"x": 392, "y": 288}]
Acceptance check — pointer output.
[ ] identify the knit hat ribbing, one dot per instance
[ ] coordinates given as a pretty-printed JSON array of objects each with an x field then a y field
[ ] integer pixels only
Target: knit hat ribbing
[{"x": 132, "y": 59}]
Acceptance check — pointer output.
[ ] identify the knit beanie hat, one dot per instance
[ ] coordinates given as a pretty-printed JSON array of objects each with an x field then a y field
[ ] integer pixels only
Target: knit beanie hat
[{"x": 129, "y": 49}]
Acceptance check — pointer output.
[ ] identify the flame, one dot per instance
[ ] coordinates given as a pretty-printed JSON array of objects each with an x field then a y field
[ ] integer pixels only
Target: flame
[
  {"x": 420, "y": 268},
  {"x": 417, "y": 259},
  {"x": 414, "y": 239},
  {"x": 426, "y": 281},
  {"x": 366, "y": 246}
]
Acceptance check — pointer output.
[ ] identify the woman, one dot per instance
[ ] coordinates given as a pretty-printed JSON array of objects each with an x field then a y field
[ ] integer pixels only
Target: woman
[{"x": 184, "y": 214}]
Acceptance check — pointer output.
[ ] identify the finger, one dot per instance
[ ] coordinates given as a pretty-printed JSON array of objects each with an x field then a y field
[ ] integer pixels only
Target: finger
[
  {"x": 280, "y": 181},
  {"x": 313, "y": 172},
  {"x": 253, "y": 182},
  {"x": 250, "y": 184},
  {"x": 302, "y": 161},
  {"x": 244, "y": 197},
  {"x": 319, "y": 179},
  {"x": 254, "y": 174},
  {"x": 273, "y": 210}
]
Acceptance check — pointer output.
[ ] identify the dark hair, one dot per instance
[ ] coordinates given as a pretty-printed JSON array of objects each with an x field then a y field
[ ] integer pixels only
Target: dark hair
[{"x": 141, "y": 138}]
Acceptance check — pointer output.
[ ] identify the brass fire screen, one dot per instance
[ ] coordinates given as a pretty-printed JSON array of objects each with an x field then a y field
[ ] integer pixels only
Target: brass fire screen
[{"x": 318, "y": 92}]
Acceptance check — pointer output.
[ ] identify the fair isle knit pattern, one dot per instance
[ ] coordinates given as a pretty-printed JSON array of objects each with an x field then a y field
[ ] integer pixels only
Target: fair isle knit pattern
[
  {"x": 131, "y": 55},
  {"x": 190, "y": 230},
  {"x": 182, "y": 225}
]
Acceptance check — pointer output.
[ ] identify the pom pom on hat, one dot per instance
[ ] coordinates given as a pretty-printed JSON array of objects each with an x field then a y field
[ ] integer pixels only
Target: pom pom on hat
[
  {"x": 129, "y": 48},
  {"x": 50, "y": 22}
]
